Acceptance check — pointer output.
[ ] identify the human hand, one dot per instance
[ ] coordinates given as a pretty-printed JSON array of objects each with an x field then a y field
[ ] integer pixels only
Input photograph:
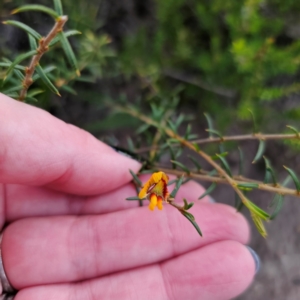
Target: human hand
[{"x": 71, "y": 235}]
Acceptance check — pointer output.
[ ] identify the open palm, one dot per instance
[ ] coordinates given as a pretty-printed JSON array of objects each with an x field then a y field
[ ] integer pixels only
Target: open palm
[{"x": 71, "y": 235}]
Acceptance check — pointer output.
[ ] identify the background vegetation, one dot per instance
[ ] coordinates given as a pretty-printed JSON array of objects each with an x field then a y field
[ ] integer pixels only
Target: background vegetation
[{"x": 186, "y": 56}]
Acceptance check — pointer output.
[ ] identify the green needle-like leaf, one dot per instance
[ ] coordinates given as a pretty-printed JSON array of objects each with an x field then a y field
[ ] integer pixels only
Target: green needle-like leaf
[
  {"x": 210, "y": 124},
  {"x": 208, "y": 191},
  {"x": 253, "y": 119},
  {"x": 257, "y": 210},
  {"x": 32, "y": 43},
  {"x": 17, "y": 60},
  {"x": 58, "y": 7},
  {"x": 176, "y": 189},
  {"x": 293, "y": 129},
  {"x": 294, "y": 177},
  {"x": 46, "y": 70},
  {"x": 136, "y": 179},
  {"x": 46, "y": 80},
  {"x": 135, "y": 198},
  {"x": 260, "y": 151},
  {"x": 36, "y": 7},
  {"x": 213, "y": 131},
  {"x": 34, "y": 92},
  {"x": 225, "y": 164},
  {"x": 277, "y": 203},
  {"x": 194, "y": 160},
  {"x": 69, "y": 52},
  {"x": 241, "y": 161},
  {"x": 259, "y": 225},
  {"x": 197, "y": 148},
  {"x": 7, "y": 64},
  {"x": 13, "y": 89},
  {"x": 191, "y": 218},
  {"x": 269, "y": 172},
  {"x": 24, "y": 27},
  {"x": 142, "y": 128},
  {"x": 67, "y": 34},
  {"x": 247, "y": 185},
  {"x": 182, "y": 166}
]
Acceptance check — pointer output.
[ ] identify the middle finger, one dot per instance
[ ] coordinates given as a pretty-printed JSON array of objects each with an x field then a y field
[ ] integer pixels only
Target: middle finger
[{"x": 66, "y": 249}]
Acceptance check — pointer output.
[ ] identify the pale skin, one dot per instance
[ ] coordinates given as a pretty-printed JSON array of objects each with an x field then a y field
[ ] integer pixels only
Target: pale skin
[{"x": 72, "y": 235}]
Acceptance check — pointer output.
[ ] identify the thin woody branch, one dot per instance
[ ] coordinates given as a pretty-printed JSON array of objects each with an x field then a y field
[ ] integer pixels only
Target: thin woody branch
[
  {"x": 43, "y": 48},
  {"x": 255, "y": 136},
  {"x": 238, "y": 179}
]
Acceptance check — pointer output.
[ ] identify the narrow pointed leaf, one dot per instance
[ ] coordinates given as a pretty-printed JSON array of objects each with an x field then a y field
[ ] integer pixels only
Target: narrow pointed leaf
[
  {"x": 192, "y": 220},
  {"x": 248, "y": 185},
  {"x": 7, "y": 64},
  {"x": 187, "y": 205},
  {"x": 135, "y": 198},
  {"x": 32, "y": 42},
  {"x": 216, "y": 157},
  {"x": 13, "y": 89},
  {"x": 136, "y": 179},
  {"x": 254, "y": 122},
  {"x": 142, "y": 128},
  {"x": 294, "y": 177},
  {"x": 46, "y": 71},
  {"x": 209, "y": 123},
  {"x": 208, "y": 191},
  {"x": 259, "y": 225},
  {"x": 241, "y": 161},
  {"x": 130, "y": 144},
  {"x": 212, "y": 131},
  {"x": 260, "y": 151},
  {"x": 238, "y": 204},
  {"x": 269, "y": 172},
  {"x": 176, "y": 189},
  {"x": 19, "y": 74},
  {"x": 172, "y": 181},
  {"x": 277, "y": 203},
  {"x": 293, "y": 129},
  {"x": 34, "y": 92},
  {"x": 24, "y": 27},
  {"x": 68, "y": 89},
  {"x": 225, "y": 164},
  {"x": 194, "y": 160},
  {"x": 197, "y": 148},
  {"x": 46, "y": 80},
  {"x": 172, "y": 126},
  {"x": 18, "y": 59},
  {"x": 36, "y": 7},
  {"x": 69, "y": 52},
  {"x": 188, "y": 132},
  {"x": 182, "y": 166},
  {"x": 58, "y": 7},
  {"x": 179, "y": 120},
  {"x": 257, "y": 210},
  {"x": 67, "y": 34},
  {"x": 30, "y": 100}
]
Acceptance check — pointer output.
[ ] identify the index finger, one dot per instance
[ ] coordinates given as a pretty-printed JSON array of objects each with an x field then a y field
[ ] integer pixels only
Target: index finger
[{"x": 41, "y": 150}]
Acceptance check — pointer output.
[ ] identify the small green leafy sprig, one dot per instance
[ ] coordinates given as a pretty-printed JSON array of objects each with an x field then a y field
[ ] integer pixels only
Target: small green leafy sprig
[
  {"x": 39, "y": 45},
  {"x": 182, "y": 209},
  {"x": 174, "y": 142}
]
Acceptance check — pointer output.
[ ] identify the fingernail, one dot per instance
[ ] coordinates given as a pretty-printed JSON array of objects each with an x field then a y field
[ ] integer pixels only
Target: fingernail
[
  {"x": 211, "y": 199},
  {"x": 256, "y": 259}
]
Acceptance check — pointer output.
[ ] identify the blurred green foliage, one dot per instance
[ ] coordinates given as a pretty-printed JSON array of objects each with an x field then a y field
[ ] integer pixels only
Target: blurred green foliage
[{"x": 230, "y": 56}]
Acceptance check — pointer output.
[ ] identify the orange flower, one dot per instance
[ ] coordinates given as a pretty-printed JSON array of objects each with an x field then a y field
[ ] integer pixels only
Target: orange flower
[{"x": 155, "y": 189}]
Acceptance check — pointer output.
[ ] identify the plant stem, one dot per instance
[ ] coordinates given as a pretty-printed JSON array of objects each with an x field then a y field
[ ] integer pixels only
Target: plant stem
[
  {"x": 43, "y": 47},
  {"x": 238, "y": 179},
  {"x": 255, "y": 136}
]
